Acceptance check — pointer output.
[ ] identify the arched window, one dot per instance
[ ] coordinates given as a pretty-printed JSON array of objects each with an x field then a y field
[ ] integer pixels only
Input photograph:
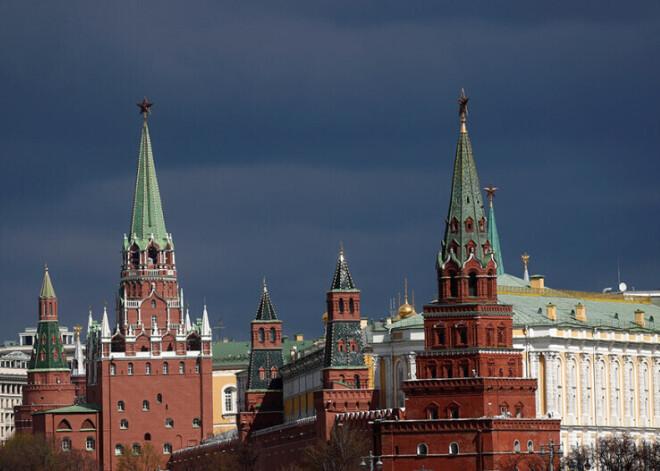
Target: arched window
[
  {"x": 516, "y": 446},
  {"x": 135, "y": 257},
  {"x": 147, "y": 437},
  {"x": 273, "y": 373},
  {"x": 153, "y": 303},
  {"x": 262, "y": 335},
  {"x": 166, "y": 368},
  {"x": 159, "y": 398},
  {"x": 341, "y": 346},
  {"x": 422, "y": 449},
  {"x": 169, "y": 423},
  {"x": 137, "y": 449},
  {"x": 63, "y": 425},
  {"x": 113, "y": 369},
  {"x": 130, "y": 369},
  {"x": 123, "y": 424},
  {"x": 272, "y": 334},
  {"x": 120, "y": 406},
  {"x": 182, "y": 368},
  {"x": 454, "y": 225},
  {"x": 351, "y": 305},
  {"x": 472, "y": 284},
  {"x": 230, "y": 400},
  {"x": 119, "y": 449},
  {"x": 262, "y": 373},
  {"x": 153, "y": 255},
  {"x": 196, "y": 422},
  {"x": 167, "y": 449},
  {"x": 90, "y": 444},
  {"x": 453, "y": 448},
  {"x": 453, "y": 285},
  {"x": 145, "y": 405},
  {"x": 147, "y": 369},
  {"x": 154, "y": 320},
  {"x": 341, "y": 305},
  {"x": 87, "y": 425},
  {"x": 356, "y": 380},
  {"x": 530, "y": 446}
]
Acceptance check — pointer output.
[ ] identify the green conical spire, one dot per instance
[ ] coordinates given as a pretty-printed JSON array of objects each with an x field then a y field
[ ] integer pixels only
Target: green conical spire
[
  {"x": 147, "y": 219},
  {"x": 265, "y": 311},
  {"x": 342, "y": 279},
  {"x": 494, "y": 237},
  {"x": 47, "y": 351},
  {"x": 47, "y": 290},
  {"x": 466, "y": 219}
]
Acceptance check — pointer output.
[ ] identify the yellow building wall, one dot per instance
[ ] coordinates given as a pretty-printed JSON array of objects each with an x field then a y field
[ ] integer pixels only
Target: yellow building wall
[{"x": 221, "y": 380}]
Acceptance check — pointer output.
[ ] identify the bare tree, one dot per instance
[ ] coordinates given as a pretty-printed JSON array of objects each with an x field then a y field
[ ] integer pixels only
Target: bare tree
[
  {"x": 618, "y": 453},
  {"x": 148, "y": 459},
  {"x": 649, "y": 456},
  {"x": 341, "y": 453}
]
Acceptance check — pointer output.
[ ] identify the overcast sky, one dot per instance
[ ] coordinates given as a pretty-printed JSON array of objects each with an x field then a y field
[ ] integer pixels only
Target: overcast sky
[{"x": 282, "y": 128}]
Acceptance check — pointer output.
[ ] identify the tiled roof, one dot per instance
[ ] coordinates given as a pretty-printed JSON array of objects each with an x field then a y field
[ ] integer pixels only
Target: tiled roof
[
  {"x": 342, "y": 279},
  {"x": 237, "y": 353},
  {"x": 47, "y": 290},
  {"x": 147, "y": 219},
  {"x": 77, "y": 409}
]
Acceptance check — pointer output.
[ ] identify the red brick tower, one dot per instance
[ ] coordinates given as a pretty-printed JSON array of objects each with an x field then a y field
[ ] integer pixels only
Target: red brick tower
[
  {"x": 263, "y": 395},
  {"x": 469, "y": 408},
  {"x": 345, "y": 375},
  {"x": 49, "y": 378},
  {"x": 152, "y": 376}
]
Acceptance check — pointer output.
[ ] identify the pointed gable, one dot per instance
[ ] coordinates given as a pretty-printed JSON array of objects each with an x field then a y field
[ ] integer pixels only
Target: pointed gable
[
  {"x": 147, "y": 218},
  {"x": 342, "y": 279},
  {"x": 265, "y": 311}
]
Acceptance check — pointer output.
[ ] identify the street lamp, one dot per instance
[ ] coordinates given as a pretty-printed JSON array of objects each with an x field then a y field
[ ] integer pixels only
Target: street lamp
[
  {"x": 552, "y": 449},
  {"x": 374, "y": 462},
  {"x": 578, "y": 465}
]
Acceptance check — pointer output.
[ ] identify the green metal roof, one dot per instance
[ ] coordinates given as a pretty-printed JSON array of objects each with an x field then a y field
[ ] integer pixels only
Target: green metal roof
[
  {"x": 77, "y": 409},
  {"x": 494, "y": 239},
  {"x": 466, "y": 202},
  {"x": 265, "y": 311},
  {"x": 237, "y": 353},
  {"x": 605, "y": 310},
  {"x": 47, "y": 290},
  {"x": 342, "y": 281},
  {"x": 147, "y": 218}
]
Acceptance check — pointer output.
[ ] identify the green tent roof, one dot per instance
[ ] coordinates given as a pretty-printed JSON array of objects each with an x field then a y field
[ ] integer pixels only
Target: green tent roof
[{"x": 47, "y": 290}]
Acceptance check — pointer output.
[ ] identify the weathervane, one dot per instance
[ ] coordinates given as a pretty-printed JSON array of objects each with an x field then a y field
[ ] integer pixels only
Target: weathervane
[
  {"x": 462, "y": 105},
  {"x": 490, "y": 192},
  {"x": 144, "y": 107}
]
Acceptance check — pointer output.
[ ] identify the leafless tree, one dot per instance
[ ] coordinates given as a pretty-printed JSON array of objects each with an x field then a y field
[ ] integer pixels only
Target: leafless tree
[
  {"x": 618, "y": 453},
  {"x": 341, "y": 453}
]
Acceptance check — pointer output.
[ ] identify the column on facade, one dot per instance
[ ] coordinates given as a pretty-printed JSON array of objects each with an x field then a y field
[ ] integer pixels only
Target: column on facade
[
  {"x": 656, "y": 392},
  {"x": 600, "y": 391},
  {"x": 412, "y": 365},
  {"x": 643, "y": 393},
  {"x": 375, "y": 359},
  {"x": 390, "y": 381},
  {"x": 571, "y": 390},
  {"x": 551, "y": 383},
  {"x": 585, "y": 390},
  {"x": 628, "y": 391}
]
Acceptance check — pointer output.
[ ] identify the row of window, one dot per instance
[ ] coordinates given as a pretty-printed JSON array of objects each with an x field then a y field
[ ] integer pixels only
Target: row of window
[
  {"x": 169, "y": 423},
  {"x": 136, "y": 449},
  {"x": 263, "y": 374},
  {"x": 147, "y": 368},
  {"x": 469, "y": 224},
  {"x": 90, "y": 444},
  {"x": 423, "y": 449}
]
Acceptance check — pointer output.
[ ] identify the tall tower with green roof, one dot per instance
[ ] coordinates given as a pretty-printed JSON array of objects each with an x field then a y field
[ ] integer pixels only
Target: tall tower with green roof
[
  {"x": 49, "y": 378},
  {"x": 263, "y": 396},
  {"x": 467, "y": 270}
]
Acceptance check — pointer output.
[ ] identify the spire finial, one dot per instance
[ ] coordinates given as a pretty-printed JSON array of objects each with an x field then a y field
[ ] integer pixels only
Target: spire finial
[
  {"x": 265, "y": 288},
  {"x": 490, "y": 192},
  {"x": 341, "y": 249},
  {"x": 462, "y": 109},
  {"x": 46, "y": 266},
  {"x": 525, "y": 259},
  {"x": 78, "y": 329},
  {"x": 144, "y": 107},
  {"x": 405, "y": 286}
]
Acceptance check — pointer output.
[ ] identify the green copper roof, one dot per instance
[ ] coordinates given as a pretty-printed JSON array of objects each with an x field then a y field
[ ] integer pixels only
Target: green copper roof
[
  {"x": 233, "y": 353},
  {"x": 342, "y": 279},
  {"x": 265, "y": 311},
  {"x": 47, "y": 290},
  {"x": 465, "y": 203},
  {"x": 494, "y": 239},
  {"x": 47, "y": 352},
  {"x": 147, "y": 216}
]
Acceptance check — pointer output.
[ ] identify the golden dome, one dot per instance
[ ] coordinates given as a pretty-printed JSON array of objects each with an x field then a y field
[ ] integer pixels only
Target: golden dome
[
  {"x": 325, "y": 318},
  {"x": 406, "y": 310}
]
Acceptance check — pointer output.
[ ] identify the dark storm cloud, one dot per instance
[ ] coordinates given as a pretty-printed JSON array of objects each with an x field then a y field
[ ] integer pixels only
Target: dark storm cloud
[{"x": 281, "y": 128}]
